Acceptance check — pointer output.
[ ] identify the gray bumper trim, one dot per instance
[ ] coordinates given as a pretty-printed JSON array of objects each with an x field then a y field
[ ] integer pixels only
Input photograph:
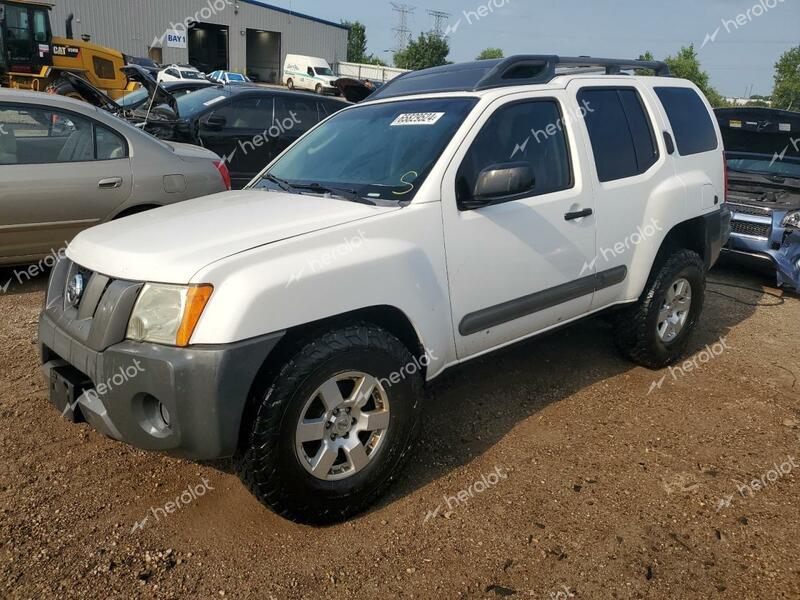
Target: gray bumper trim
[{"x": 203, "y": 388}]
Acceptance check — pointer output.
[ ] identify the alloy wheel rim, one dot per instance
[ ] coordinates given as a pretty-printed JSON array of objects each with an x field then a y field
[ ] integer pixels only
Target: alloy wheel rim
[
  {"x": 675, "y": 310},
  {"x": 342, "y": 426}
]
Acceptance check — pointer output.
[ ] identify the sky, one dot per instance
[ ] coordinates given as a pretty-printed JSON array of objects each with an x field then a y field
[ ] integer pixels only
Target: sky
[{"x": 740, "y": 57}]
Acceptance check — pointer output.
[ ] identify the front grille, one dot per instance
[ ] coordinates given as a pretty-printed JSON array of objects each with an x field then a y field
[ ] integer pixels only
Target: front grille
[
  {"x": 761, "y": 230},
  {"x": 745, "y": 209}
]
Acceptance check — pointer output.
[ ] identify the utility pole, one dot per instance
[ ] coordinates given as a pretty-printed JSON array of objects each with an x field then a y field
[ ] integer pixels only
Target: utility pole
[
  {"x": 402, "y": 33},
  {"x": 439, "y": 22}
]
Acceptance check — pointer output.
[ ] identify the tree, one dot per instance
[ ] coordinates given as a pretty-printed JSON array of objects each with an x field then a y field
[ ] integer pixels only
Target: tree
[
  {"x": 429, "y": 50},
  {"x": 356, "y": 41},
  {"x": 490, "y": 53},
  {"x": 787, "y": 81},
  {"x": 686, "y": 65}
]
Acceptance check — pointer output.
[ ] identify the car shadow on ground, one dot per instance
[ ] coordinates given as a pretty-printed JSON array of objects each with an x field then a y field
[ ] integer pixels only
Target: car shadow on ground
[
  {"x": 24, "y": 279},
  {"x": 473, "y": 406}
]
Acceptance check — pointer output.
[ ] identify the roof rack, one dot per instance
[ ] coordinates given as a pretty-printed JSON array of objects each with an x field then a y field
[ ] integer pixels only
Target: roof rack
[{"x": 513, "y": 71}]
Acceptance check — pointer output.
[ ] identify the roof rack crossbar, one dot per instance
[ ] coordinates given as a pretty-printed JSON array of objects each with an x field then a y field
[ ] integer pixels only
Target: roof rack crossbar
[{"x": 543, "y": 69}]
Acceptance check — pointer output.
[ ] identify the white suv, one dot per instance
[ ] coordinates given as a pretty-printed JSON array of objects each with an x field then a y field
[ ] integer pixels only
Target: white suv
[{"x": 294, "y": 324}]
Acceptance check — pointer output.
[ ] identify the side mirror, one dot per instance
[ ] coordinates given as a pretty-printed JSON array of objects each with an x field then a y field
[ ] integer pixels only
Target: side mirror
[
  {"x": 501, "y": 181},
  {"x": 216, "y": 122}
]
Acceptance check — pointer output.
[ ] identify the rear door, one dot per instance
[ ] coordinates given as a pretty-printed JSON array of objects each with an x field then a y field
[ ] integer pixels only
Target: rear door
[
  {"x": 59, "y": 173},
  {"x": 294, "y": 116},
  {"x": 239, "y": 132},
  {"x": 633, "y": 176}
]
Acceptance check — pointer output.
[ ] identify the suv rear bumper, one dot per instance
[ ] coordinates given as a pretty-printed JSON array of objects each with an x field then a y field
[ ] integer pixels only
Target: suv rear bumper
[
  {"x": 130, "y": 390},
  {"x": 718, "y": 232}
]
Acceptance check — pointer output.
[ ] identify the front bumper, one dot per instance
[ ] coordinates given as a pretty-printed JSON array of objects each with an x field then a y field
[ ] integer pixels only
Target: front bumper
[
  {"x": 760, "y": 241},
  {"x": 188, "y": 402}
]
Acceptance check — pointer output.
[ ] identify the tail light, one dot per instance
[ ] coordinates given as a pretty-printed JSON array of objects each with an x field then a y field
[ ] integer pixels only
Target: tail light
[
  {"x": 224, "y": 172},
  {"x": 725, "y": 170}
]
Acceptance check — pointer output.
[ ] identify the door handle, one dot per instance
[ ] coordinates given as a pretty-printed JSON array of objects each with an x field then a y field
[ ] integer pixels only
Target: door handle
[
  {"x": 571, "y": 216},
  {"x": 111, "y": 183}
]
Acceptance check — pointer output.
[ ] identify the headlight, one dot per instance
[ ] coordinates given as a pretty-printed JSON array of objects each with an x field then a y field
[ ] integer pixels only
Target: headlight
[
  {"x": 791, "y": 220},
  {"x": 168, "y": 314}
]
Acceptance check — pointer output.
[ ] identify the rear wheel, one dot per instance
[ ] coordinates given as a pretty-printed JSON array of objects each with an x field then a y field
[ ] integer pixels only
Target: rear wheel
[
  {"x": 330, "y": 434},
  {"x": 290, "y": 84},
  {"x": 656, "y": 330}
]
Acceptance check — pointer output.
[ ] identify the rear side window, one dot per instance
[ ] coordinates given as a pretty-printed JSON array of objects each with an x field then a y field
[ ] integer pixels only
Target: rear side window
[
  {"x": 691, "y": 123},
  {"x": 620, "y": 130}
]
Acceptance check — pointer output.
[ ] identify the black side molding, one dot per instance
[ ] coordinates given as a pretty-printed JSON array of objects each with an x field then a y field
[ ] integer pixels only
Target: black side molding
[{"x": 533, "y": 303}]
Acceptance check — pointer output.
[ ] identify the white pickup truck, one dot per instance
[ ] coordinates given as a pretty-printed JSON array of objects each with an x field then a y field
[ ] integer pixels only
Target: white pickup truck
[{"x": 293, "y": 325}]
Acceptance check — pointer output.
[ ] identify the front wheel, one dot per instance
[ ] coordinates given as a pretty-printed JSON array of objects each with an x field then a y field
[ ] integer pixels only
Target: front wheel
[
  {"x": 656, "y": 330},
  {"x": 64, "y": 88},
  {"x": 318, "y": 89},
  {"x": 290, "y": 84},
  {"x": 331, "y": 432}
]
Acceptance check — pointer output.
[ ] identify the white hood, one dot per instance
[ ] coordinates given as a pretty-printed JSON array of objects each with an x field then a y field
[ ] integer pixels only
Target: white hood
[{"x": 171, "y": 244}]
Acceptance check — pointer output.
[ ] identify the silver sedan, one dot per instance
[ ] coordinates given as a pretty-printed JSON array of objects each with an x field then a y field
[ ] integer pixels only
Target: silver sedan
[{"x": 65, "y": 166}]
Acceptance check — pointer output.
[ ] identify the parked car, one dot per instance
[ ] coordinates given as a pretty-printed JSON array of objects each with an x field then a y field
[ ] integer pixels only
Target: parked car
[
  {"x": 294, "y": 324},
  {"x": 763, "y": 153},
  {"x": 178, "y": 73},
  {"x": 247, "y": 125},
  {"x": 227, "y": 77},
  {"x": 309, "y": 73},
  {"x": 148, "y": 64},
  {"x": 65, "y": 166},
  {"x": 141, "y": 97}
]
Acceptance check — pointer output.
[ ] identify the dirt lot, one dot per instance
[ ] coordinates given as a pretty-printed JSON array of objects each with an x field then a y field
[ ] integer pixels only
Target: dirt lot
[{"x": 569, "y": 473}]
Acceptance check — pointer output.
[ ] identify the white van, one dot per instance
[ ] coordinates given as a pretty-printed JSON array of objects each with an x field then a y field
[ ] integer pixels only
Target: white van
[{"x": 309, "y": 73}]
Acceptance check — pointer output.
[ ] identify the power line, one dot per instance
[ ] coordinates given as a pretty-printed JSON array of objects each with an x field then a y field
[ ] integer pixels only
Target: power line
[
  {"x": 440, "y": 19},
  {"x": 402, "y": 33}
]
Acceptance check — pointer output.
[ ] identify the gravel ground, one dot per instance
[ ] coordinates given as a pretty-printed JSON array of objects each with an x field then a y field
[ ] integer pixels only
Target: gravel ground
[{"x": 537, "y": 475}]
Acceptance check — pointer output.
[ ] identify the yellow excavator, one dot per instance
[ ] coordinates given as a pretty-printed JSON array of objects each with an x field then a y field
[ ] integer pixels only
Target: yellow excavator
[{"x": 32, "y": 59}]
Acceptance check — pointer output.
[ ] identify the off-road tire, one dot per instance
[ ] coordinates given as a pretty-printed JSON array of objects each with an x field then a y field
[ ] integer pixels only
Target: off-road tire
[
  {"x": 267, "y": 462},
  {"x": 64, "y": 88},
  {"x": 635, "y": 328}
]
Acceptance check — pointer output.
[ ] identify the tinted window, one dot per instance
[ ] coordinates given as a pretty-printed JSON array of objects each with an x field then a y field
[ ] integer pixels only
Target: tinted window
[
  {"x": 204, "y": 99},
  {"x": 303, "y": 111},
  {"x": 529, "y": 132},
  {"x": 36, "y": 136},
  {"x": 620, "y": 130},
  {"x": 109, "y": 145},
  {"x": 254, "y": 112},
  {"x": 691, "y": 123}
]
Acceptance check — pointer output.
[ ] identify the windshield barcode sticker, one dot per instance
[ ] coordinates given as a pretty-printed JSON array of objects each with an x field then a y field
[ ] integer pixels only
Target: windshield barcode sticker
[
  {"x": 429, "y": 118},
  {"x": 785, "y": 126}
]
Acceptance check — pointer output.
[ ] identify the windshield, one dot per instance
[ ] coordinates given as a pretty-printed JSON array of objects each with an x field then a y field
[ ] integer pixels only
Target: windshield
[
  {"x": 196, "y": 102},
  {"x": 323, "y": 71},
  {"x": 765, "y": 167},
  {"x": 236, "y": 77},
  {"x": 134, "y": 98},
  {"x": 378, "y": 151},
  {"x": 191, "y": 75}
]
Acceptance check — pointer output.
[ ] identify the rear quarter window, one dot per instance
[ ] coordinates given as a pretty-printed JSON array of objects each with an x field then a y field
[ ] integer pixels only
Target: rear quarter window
[{"x": 691, "y": 123}]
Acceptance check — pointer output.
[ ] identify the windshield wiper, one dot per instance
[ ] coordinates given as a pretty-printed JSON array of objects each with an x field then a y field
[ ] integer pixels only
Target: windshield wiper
[
  {"x": 344, "y": 192},
  {"x": 281, "y": 183}
]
